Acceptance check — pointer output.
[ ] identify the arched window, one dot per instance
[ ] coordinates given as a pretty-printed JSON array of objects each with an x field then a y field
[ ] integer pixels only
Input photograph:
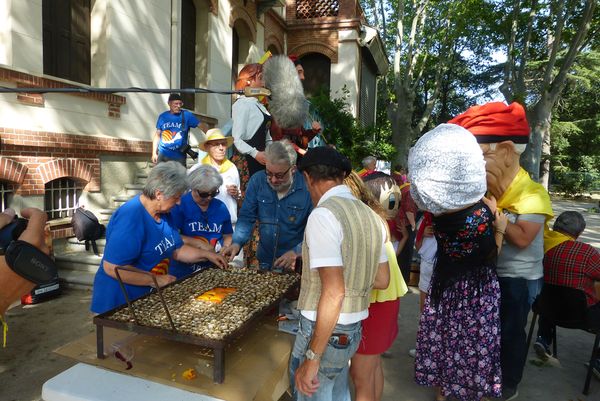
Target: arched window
[
  {"x": 6, "y": 193},
  {"x": 274, "y": 50},
  {"x": 61, "y": 197}
]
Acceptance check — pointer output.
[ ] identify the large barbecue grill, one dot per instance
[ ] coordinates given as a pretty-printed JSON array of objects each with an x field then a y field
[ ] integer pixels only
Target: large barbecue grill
[{"x": 212, "y": 309}]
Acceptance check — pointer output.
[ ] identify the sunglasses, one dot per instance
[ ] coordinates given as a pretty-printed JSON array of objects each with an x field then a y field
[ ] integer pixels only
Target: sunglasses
[
  {"x": 205, "y": 195},
  {"x": 279, "y": 176}
]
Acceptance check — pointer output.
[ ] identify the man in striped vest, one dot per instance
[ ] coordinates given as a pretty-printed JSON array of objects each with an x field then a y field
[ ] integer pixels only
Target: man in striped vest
[{"x": 344, "y": 258}]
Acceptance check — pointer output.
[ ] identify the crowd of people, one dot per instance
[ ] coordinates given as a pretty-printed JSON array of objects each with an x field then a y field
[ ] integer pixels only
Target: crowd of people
[{"x": 475, "y": 217}]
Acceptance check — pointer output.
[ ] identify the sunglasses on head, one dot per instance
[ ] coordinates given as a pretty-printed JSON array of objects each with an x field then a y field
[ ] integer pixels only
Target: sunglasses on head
[{"x": 205, "y": 195}]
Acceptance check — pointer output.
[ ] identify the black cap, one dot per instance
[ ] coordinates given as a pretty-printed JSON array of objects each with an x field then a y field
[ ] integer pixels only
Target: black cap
[
  {"x": 325, "y": 156},
  {"x": 175, "y": 96}
]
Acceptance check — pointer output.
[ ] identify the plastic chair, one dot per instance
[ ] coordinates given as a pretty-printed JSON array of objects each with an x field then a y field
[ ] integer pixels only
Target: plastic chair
[{"x": 565, "y": 307}]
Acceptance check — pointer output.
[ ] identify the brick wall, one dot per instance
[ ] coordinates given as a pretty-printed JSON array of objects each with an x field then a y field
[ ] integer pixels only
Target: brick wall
[
  {"x": 30, "y": 159},
  {"x": 320, "y": 35},
  {"x": 24, "y": 80},
  {"x": 274, "y": 31},
  {"x": 245, "y": 13}
]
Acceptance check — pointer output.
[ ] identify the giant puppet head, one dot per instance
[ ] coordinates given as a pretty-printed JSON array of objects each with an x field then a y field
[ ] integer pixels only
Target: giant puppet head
[
  {"x": 446, "y": 170},
  {"x": 502, "y": 132},
  {"x": 386, "y": 191}
]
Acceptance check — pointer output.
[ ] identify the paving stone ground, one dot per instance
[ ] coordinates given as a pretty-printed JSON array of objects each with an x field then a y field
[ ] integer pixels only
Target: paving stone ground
[{"x": 36, "y": 330}]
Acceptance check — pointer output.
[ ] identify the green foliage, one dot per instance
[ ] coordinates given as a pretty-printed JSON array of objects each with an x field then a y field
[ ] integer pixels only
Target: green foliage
[
  {"x": 348, "y": 136},
  {"x": 575, "y": 130}
]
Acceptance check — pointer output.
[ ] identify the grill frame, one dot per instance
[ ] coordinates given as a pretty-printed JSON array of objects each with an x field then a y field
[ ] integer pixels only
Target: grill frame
[{"x": 217, "y": 347}]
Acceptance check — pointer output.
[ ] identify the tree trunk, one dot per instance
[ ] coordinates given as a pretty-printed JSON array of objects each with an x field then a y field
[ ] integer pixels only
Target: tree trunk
[
  {"x": 545, "y": 167},
  {"x": 401, "y": 117},
  {"x": 539, "y": 122}
]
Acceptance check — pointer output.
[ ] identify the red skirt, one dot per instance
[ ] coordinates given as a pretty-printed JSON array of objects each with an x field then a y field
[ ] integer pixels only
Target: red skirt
[{"x": 380, "y": 329}]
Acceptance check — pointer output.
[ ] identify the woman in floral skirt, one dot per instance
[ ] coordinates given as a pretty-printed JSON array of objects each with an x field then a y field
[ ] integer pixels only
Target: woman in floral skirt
[{"x": 458, "y": 342}]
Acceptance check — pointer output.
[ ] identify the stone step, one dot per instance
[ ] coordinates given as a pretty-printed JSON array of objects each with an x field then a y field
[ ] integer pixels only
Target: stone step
[
  {"x": 141, "y": 177},
  {"x": 77, "y": 269},
  {"x": 77, "y": 279},
  {"x": 74, "y": 245},
  {"x": 118, "y": 200},
  {"x": 82, "y": 261},
  {"x": 106, "y": 214},
  {"x": 134, "y": 189}
]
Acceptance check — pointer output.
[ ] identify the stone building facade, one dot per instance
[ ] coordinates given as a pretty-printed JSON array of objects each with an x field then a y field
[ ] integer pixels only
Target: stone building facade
[{"x": 61, "y": 150}]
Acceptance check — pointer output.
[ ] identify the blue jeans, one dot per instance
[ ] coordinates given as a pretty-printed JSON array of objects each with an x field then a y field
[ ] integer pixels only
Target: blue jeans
[
  {"x": 534, "y": 287},
  {"x": 514, "y": 309},
  {"x": 333, "y": 369}
]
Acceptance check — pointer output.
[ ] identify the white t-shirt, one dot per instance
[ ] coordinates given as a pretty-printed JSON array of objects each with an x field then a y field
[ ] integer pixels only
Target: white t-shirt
[
  {"x": 324, "y": 235},
  {"x": 427, "y": 253},
  {"x": 248, "y": 115}
]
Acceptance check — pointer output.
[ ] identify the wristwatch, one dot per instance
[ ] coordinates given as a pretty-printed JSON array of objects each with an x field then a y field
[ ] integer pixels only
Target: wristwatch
[{"x": 311, "y": 355}]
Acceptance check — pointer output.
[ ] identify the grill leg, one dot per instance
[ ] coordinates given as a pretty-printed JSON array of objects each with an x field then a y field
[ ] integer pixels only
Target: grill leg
[
  {"x": 219, "y": 365},
  {"x": 100, "y": 341}
]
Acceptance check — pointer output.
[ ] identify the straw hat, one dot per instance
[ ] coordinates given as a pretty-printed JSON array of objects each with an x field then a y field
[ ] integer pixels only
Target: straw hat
[{"x": 215, "y": 134}]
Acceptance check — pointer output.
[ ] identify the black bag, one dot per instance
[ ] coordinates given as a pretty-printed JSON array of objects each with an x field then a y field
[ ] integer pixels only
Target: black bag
[{"x": 87, "y": 228}]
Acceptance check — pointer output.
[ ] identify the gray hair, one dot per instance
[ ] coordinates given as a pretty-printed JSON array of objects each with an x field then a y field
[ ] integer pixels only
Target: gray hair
[
  {"x": 205, "y": 178},
  {"x": 570, "y": 222},
  {"x": 281, "y": 152},
  {"x": 368, "y": 160},
  {"x": 170, "y": 178}
]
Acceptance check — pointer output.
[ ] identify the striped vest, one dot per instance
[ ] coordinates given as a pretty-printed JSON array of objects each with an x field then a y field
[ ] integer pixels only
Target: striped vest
[{"x": 361, "y": 250}]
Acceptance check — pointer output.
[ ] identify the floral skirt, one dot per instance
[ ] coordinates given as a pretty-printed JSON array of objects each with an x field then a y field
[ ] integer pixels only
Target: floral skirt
[{"x": 458, "y": 342}]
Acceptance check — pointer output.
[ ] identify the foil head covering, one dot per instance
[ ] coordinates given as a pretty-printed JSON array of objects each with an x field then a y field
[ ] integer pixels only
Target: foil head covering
[{"x": 446, "y": 170}]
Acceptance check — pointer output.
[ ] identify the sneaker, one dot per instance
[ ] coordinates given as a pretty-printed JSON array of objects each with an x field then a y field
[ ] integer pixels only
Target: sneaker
[
  {"x": 596, "y": 368},
  {"x": 542, "y": 349},
  {"x": 412, "y": 352},
  {"x": 509, "y": 393}
]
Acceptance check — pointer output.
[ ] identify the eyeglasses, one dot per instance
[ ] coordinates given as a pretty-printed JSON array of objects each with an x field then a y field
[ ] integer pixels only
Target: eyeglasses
[
  {"x": 279, "y": 176},
  {"x": 205, "y": 195}
]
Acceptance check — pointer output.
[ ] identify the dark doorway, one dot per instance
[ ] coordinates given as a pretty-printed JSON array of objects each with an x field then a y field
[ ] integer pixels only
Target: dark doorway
[
  {"x": 235, "y": 57},
  {"x": 188, "y": 52},
  {"x": 317, "y": 72}
]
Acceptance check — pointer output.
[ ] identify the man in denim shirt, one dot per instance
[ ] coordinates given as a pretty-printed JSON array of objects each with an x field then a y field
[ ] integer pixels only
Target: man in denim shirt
[{"x": 278, "y": 199}]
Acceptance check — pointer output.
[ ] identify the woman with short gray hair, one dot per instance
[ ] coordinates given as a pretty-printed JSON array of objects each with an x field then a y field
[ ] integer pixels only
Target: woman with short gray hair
[
  {"x": 204, "y": 221},
  {"x": 141, "y": 239}
]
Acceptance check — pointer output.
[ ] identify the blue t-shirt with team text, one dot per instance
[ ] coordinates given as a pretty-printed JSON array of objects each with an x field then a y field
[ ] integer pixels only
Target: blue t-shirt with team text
[
  {"x": 133, "y": 238},
  {"x": 172, "y": 138},
  {"x": 209, "y": 226}
]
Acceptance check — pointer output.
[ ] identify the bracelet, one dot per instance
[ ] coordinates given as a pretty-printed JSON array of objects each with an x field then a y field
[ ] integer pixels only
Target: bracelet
[{"x": 500, "y": 231}]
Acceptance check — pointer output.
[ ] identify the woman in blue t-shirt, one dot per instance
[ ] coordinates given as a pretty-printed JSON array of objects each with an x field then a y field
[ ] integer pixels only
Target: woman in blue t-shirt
[
  {"x": 139, "y": 237},
  {"x": 203, "y": 221}
]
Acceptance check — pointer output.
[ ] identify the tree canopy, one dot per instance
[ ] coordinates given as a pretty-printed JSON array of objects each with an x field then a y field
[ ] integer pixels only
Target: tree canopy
[{"x": 448, "y": 55}]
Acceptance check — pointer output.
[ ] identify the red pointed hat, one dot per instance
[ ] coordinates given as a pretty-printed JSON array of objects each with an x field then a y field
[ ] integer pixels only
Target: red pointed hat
[{"x": 495, "y": 122}]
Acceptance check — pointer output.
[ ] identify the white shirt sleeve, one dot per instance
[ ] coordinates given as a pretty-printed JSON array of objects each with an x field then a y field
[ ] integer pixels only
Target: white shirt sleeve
[
  {"x": 241, "y": 114},
  {"x": 383, "y": 256},
  {"x": 324, "y": 239}
]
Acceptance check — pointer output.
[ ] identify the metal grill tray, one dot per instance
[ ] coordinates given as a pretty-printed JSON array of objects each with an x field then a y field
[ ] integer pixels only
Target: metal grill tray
[{"x": 169, "y": 312}]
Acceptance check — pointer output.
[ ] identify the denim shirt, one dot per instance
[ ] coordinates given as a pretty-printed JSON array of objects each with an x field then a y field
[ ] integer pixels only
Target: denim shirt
[{"x": 281, "y": 221}]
